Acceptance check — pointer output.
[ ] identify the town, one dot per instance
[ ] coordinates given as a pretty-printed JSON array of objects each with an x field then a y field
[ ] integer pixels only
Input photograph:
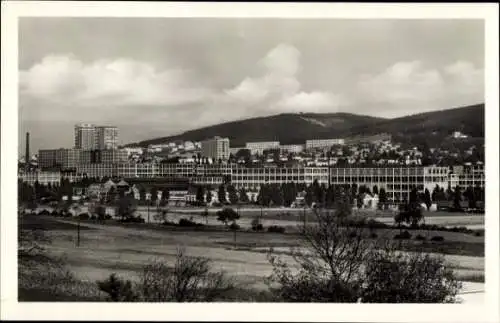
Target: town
[{"x": 195, "y": 173}]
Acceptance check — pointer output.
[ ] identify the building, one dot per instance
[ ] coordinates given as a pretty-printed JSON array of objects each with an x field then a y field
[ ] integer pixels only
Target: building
[
  {"x": 108, "y": 156},
  {"x": 323, "y": 143},
  {"x": 85, "y": 136},
  {"x": 468, "y": 175},
  {"x": 295, "y": 149},
  {"x": 106, "y": 137},
  {"x": 235, "y": 150},
  {"x": 43, "y": 178},
  {"x": 260, "y": 146},
  {"x": 216, "y": 148},
  {"x": 63, "y": 158}
]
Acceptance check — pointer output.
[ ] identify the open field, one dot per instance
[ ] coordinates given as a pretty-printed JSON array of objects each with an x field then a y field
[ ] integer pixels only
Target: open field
[{"x": 125, "y": 248}]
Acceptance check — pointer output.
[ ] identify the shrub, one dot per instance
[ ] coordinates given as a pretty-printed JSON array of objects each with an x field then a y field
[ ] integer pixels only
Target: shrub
[
  {"x": 373, "y": 235},
  {"x": 169, "y": 223},
  {"x": 405, "y": 235},
  {"x": 189, "y": 223},
  {"x": 276, "y": 229},
  {"x": 479, "y": 233},
  {"x": 191, "y": 279},
  {"x": 413, "y": 278},
  {"x": 256, "y": 225},
  {"x": 234, "y": 226},
  {"x": 55, "y": 213},
  {"x": 374, "y": 224},
  {"x": 353, "y": 234},
  {"x": 227, "y": 215},
  {"x": 84, "y": 216},
  {"x": 93, "y": 217},
  {"x": 420, "y": 238},
  {"x": 107, "y": 217},
  {"x": 44, "y": 212},
  {"x": 437, "y": 238},
  {"x": 118, "y": 290}
]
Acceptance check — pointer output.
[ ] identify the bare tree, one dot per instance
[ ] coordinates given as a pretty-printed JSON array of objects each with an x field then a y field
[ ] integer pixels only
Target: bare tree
[{"x": 190, "y": 279}]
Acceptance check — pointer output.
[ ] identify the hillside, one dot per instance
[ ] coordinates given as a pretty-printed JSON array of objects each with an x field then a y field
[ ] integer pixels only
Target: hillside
[
  {"x": 428, "y": 128},
  {"x": 286, "y": 128}
]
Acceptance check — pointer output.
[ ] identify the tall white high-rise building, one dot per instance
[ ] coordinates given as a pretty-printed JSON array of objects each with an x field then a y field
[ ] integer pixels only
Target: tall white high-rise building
[
  {"x": 215, "y": 148},
  {"x": 91, "y": 137},
  {"x": 85, "y": 136},
  {"x": 106, "y": 137}
]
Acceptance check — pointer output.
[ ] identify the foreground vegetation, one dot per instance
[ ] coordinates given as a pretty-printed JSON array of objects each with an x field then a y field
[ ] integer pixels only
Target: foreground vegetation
[{"x": 344, "y": 263}]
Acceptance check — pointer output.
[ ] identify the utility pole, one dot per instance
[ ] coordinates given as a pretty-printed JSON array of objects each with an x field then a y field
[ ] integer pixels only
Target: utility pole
[{"x": 78, "y": 233}]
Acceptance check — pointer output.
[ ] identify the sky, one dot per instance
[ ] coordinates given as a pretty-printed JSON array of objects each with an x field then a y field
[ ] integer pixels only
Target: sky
[{"x": 154, "y": 77}]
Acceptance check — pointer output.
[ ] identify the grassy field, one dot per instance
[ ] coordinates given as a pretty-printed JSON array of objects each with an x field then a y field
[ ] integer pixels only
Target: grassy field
[{"x": 125, "y": 248}]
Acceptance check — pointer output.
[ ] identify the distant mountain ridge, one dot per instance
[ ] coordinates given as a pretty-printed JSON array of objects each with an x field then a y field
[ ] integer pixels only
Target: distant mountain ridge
[{"x": 291, "y": 128}]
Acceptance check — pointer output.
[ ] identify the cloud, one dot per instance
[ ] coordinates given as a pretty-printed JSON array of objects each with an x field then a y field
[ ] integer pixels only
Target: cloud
[
  {"x": 278, "y": 89},
  {"x": 66, "y": 80},
  {"x": 414, "y": 82},
  {"x": 312, "y": 102}
]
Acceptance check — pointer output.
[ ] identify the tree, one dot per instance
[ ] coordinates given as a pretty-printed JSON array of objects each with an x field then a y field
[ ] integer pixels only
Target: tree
[
  {"x": 415, "y": 278},
  {"x": 276, "y": 196},
  {"x": 208, "y": 196},
  {"x": 264, "y": 197},
  {"x": 154, "y": 195},
  {"x": 243, "y": 195},
  {"x": 427, "y": 199},
  {"x": 457, "y": 198},
  {"x": 375, "y": 190},
  {"x": 337, "y": 264},
  {"x": 227, "y": 215},
  {"x": 142, "y": 194},
  {"x": 471, "y": 197},
  {"x": 126, "y": 207},
  {"x": 118, "y": 290},
  {"x": 382, "y": 198},
  {"x": 191, "y": 279},
  {"x": 233, "y": 196},
  {"x": 200, "y": 194},
  {"x": 222, "y": 194},
  {"x": 309, "y": 198}
]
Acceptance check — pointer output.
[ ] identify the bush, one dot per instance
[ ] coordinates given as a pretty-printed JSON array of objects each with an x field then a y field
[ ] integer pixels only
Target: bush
[
  {"x": 256, "y": 225},
  {"x": 189, "y": 223},
  {"x": 479, "y": 233},
  {"x": 374, "y": 224},
  {"x": 107, "y": 217},
  {"x": 234, "y": 226},
  {"x": 84, "y": 216},
  {"x": 133, "y": 219},
  {"x": 420, "y": 238},
  {"x": 117, "y": 289},
  {"x": 437, "y": 238},
  {"x": 405, "y": 235},
  {"x": 191, "y": 279},
  {"x": 55, "y": 213},
  {"x": 44, "y": 212},
  {"x": 393, "y": 277},
  {"x": 276, "y": 229},
  {"x": 353, "y": 234},
  {"x": 216, "y": 204},
  {"x": 169, "y": 223},
  {"x": 93, "y": 217},
  {"x": 373, "y": 235}
]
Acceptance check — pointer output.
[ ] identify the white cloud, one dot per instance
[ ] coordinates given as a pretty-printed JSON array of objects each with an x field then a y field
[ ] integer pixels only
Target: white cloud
[
  {"x": 412, "y": 81},
  {"x": 312, "y": 102},
  {"x": 120, "y": 82},
  {"x": 403, "y": 81}
]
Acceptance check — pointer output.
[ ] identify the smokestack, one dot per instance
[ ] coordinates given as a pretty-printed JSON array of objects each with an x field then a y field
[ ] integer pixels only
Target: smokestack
[{"x": 27, "y": 157}]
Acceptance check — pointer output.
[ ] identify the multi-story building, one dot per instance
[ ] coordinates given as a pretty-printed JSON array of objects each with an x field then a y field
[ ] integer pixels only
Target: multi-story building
[
  {"x": 106, "y": 137},
  {"x": 97, "y": 170},
  {"x": 62, "y": 158},
  {"x": 85, "y": 136},
  {"x": 396, "y": 181},
  {"x": 260, "y": 146},
  {"x": 468, "y": 175},
  {"x": 323, "y": 143},
  {"x": 43, "y": 178},
  {"x": 108, "y": 156},
  {"x": 215, "y": 148},
  {"x": 296, "y": 149}
]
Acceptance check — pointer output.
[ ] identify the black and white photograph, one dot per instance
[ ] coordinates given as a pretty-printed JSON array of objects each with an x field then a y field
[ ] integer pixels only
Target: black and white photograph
[{"x": 250, "y": 159}]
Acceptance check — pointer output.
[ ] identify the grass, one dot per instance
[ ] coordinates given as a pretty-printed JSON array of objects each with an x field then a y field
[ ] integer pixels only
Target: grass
[{"x": 125, "y": 247}]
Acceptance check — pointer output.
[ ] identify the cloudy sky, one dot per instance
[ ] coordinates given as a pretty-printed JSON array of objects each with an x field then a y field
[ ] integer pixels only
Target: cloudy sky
[{"x": 161, "y": 76}]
